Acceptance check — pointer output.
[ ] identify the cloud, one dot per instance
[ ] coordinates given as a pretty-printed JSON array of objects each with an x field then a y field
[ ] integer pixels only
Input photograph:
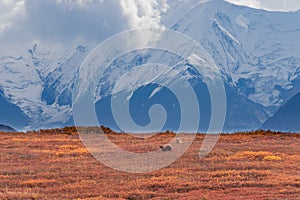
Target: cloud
[
  {"x": 144, "y": 13},
  {"x": 65, "y": 22},
  {"x": 271, "y": 5},
  {"x": 10, "y": 9},
  {"x": 25, "y": 22},
  {"x": 281, "y": 5}
]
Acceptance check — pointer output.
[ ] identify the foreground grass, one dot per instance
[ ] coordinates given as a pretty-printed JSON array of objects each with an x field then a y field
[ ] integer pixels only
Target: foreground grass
[{"x": 55, "y": 165}]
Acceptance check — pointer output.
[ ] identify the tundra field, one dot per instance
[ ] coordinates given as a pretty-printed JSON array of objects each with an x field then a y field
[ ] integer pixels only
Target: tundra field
[{"x": 54, "y": 164}]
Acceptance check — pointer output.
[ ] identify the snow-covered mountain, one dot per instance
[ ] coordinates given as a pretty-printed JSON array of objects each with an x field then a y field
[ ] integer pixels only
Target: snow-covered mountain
[
  {"x": 242, "y": 113},
  {"x": 40, "y": 84},
  {"x": 257, "y": 52}
]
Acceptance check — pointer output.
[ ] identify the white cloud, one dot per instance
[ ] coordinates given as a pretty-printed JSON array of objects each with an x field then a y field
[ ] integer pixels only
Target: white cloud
[
  {"x": 23, "y": 22},
  {"x": 272, "y": 5},
  {"x": 144, "y": 13},
  {"x": 64, "y": 22},
  {"x": 281, "y": 5},
  {"x": 10, "y": 9}
]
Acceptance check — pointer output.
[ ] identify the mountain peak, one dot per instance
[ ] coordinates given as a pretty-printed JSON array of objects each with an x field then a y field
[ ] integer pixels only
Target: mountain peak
[
  {"x": 81, "y": 48},
  {"x": 33, "y": 49}
]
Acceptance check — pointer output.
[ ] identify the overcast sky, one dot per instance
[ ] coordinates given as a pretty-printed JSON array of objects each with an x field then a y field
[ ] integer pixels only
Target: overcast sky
[{"x": 25, "y": 22}]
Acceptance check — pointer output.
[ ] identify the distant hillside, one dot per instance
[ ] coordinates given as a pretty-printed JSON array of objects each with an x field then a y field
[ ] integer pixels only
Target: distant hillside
[
  {"x": 11, "y": 114},
  {"x": 287, "y": 118},
  {"x": 4, "y": 128}
]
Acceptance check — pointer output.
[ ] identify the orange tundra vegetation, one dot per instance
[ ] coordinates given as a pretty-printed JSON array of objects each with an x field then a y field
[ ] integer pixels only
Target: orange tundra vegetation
[{"x": 53, "y": 164}]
